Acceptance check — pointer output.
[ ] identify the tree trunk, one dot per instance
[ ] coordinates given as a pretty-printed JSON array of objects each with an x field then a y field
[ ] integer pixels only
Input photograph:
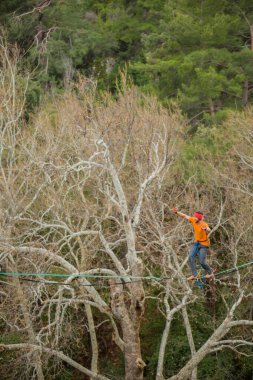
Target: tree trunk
[
  {"x": 134, "y": 364},
  {"x": 245, "y": 92},
  {"x": 160, "y": 364},
  {"x": 251, "y": 37},
  {"x": 211, "y": 106},
  {"x": 128, "y": 308},
  {"x": 93, "y": 339},
  {"x": 35, "y": 360},
  {"x": 190, "y": 340},
  {"x": 159, "y": 371}
]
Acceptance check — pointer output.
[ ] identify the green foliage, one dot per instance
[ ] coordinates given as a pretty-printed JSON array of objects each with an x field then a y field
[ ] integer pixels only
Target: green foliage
[
  {"x": 226, "y": 364},
  {"x": 195, "y": 52},
  {"x": 211, "y": 144},
  {"x": 13, "y": 337},
  {"x": 33, "y": 95},
  {"x": 11, "y": 6}
]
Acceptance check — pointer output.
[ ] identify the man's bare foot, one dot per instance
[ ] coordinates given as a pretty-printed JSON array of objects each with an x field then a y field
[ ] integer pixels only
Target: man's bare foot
[
  {"x": 208, "y": 275},
  {"x": 192, "y": 278}
]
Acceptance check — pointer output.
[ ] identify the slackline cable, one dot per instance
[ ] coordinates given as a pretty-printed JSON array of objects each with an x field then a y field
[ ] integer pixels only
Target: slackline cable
[{"x": 91, "y": 276}]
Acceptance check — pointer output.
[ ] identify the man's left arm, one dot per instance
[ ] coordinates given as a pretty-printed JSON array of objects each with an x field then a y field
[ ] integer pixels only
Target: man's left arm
[{"x": 206, "y": 228}]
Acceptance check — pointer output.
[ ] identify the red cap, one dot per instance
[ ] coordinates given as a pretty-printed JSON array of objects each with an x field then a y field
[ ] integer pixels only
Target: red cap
[{"x": 199, "y": 215}]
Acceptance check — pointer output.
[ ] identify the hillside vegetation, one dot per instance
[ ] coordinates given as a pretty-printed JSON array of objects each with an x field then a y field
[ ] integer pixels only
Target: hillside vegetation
[{"x": 196, "y": 52}]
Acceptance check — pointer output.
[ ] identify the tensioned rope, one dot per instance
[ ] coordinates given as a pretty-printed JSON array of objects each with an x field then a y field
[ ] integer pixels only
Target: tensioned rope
[
  {"x": 91, "y": 276},
  {"x": 60, "y": 283},
  {"x": 134, "y": 279},
  {"x": 234, "y": 269},
  {"x": 79, "y": 275}
]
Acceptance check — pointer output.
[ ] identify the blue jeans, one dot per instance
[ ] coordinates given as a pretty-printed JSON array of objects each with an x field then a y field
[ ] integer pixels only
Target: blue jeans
[{"x": 200, "y": 251}]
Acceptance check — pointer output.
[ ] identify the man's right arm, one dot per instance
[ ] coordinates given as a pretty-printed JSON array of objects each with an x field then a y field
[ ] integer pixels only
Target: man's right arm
[{"x": 175, "y": 210}]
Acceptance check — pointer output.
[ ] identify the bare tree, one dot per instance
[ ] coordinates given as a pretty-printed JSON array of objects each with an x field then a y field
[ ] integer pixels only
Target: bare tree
[
  {"x": 12, "y": 105},
  {"x": 69, "y": 183}
]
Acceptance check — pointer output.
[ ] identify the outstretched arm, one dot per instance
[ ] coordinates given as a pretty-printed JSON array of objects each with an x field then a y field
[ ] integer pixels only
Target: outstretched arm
[{"x": 175, "y": 210}]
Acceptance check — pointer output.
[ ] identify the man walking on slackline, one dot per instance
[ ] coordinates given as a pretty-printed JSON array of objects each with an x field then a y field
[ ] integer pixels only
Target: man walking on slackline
[{"x": 201, "y": 242}]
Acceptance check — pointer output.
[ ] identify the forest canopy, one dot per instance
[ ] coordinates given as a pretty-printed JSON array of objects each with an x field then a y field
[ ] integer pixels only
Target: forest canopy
[{"x": 196, "y": 52}]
